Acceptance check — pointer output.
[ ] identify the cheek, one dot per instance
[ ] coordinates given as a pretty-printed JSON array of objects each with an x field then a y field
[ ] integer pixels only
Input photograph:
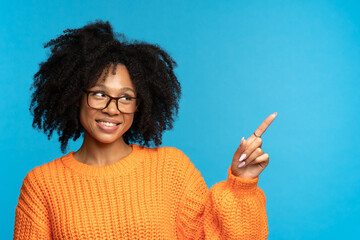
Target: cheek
[
  {"x": 86, "y": 114},
  {"x": 129, "y": 120}
]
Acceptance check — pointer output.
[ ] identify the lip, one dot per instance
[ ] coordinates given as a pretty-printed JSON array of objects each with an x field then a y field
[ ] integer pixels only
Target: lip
[
  {"x": 107, "y": 120},
  {"x": 108, "y": 129}
]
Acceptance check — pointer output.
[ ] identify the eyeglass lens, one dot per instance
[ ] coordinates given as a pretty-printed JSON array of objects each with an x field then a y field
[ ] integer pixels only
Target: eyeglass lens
[{"x": 98, "y": 100}]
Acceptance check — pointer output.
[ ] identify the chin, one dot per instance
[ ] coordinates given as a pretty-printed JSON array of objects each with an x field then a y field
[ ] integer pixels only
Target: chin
[
  {"x": 108, "y": 139},
  {"x": 103, "y": 138}
]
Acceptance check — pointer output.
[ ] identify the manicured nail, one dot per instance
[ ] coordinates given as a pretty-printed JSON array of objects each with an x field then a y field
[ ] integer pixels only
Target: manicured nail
[
  {"x": 241, "y": 164},
  {"x": 242, "y": 140},
  {"x": 243, "y": 156}
]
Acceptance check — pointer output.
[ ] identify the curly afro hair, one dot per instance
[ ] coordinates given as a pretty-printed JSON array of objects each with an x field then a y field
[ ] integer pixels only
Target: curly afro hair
[{"x": 77, "y": 59}]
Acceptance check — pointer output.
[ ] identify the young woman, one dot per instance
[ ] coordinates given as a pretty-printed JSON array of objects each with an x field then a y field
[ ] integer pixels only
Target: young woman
[{"x": 121, "y": 95}]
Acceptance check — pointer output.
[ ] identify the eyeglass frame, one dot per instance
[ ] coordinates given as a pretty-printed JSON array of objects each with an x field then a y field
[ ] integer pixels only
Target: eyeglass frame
[{"x": 111, "y": 98}]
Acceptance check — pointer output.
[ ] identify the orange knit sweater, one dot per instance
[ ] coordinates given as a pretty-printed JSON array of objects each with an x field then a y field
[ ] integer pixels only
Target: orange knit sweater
[{"x": 153, "y": 193}]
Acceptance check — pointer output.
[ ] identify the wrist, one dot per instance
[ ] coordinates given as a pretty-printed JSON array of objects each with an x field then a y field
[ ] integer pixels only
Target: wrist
[{"x": 244, "y": 175}]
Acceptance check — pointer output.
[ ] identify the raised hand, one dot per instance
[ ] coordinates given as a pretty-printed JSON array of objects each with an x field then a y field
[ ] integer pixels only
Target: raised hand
[{"x": 249, "y": 159}]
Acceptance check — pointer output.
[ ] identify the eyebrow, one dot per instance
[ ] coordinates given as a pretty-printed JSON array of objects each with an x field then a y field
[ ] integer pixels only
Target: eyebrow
[{"x": 122, "y": 89}]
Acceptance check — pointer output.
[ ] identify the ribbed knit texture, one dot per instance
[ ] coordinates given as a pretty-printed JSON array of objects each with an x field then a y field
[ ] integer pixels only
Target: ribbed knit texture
[{"x": 153, "y": 193}]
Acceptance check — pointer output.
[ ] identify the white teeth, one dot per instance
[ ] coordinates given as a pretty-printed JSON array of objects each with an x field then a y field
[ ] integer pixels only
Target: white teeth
[{"x": 107, "y": 124}]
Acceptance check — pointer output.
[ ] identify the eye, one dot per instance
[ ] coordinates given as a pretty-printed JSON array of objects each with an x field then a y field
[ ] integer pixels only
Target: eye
[
  {"x": 126, "y": 98},
  {"x": 98, "y": 94}
]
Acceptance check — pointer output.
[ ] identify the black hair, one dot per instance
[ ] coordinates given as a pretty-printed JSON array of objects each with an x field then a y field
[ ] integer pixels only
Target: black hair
[{"x": 77, "y": 59}]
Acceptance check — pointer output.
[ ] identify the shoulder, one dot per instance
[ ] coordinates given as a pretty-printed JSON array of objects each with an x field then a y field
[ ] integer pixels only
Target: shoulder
[
  {"x": 174, "y": 160},
  {"x": 40, "y": 174},
  {"x": 165, "y": 153},
  {"x": 172, "y": 153}
]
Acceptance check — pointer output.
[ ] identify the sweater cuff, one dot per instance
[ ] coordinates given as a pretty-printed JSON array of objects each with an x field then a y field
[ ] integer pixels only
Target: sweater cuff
[{"x": 240, "y": 184}]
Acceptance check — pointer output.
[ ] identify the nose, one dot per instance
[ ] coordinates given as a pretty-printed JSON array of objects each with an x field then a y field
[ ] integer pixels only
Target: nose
[{"x": 112, "y": 109}]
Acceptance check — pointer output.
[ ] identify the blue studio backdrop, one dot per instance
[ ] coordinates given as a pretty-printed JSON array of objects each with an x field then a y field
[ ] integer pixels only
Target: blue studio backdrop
[{"x": 238, "y": 62}]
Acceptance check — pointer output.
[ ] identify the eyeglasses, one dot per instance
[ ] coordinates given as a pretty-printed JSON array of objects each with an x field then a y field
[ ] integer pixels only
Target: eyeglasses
[{"x": 100, "y": 100}]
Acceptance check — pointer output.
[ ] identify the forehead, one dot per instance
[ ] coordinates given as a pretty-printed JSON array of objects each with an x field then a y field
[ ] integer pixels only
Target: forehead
[{"x": 115, "y": 77}]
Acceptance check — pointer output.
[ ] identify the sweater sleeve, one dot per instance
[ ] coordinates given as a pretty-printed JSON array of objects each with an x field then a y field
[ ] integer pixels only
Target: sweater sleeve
[
  {"x": 232, "y": 209},
  {"x": 31, "y": 215}
]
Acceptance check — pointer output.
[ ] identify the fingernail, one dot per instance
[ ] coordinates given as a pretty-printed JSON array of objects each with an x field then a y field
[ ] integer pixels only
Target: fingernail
[
  {"x": 241, "y": 164},
  {"x": 243, "y": 156},
  {"x": 242, "y": 140}
]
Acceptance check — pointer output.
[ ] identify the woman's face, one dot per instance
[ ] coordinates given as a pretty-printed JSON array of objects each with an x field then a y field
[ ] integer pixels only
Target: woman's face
[{"x": 100, "y": 124}]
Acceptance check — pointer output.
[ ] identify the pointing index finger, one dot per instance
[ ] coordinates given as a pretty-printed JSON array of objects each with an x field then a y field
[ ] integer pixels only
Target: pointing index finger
[{"x": 262, "y": 128}]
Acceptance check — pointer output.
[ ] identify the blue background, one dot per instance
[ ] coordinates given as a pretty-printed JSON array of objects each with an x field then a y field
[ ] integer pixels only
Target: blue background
[{"x": 238, "y": 62}]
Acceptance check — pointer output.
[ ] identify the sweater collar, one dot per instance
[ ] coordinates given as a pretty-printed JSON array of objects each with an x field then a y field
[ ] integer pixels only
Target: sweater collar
[{"x": 118, "y": 168}]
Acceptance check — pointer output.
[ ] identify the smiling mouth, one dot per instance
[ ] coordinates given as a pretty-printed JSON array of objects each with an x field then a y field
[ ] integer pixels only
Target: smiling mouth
[{"x": 108, "y": 124}]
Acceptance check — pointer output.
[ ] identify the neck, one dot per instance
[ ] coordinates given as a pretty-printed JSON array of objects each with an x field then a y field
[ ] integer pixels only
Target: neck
[{"x": 95, "y": 153}]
